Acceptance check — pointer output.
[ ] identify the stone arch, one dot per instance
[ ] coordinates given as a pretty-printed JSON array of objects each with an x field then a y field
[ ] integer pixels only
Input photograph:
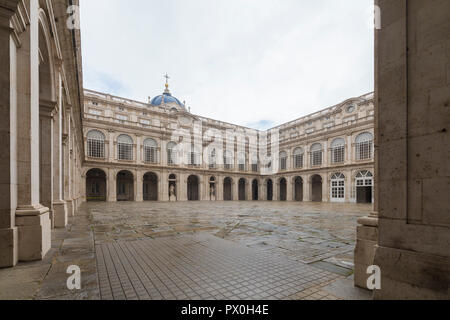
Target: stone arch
[
  {"x": 125, "y": 185},
  {"x": 298, "y": 189},
  {"x": 228, "y": 189},
  {"x": 193, "y": 188},
  {"x": 269, "y": 189},
  {"x": 255, "y": 190},
  {"x": 242, "y": 189},
  {"x": 96, "y": 185},
  {"x": 150, "y": 186},
  {"x": 283, "y": 189},
  {"x": 316, "y": 188}
]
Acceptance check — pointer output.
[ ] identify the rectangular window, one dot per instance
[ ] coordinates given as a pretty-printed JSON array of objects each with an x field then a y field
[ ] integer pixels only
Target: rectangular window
[
  {"x": 364, "y": 150},
  {"x": 96, "y": 148},
  {"x": 145, "y": 122},
  {"x": 338, "y": 154},
  {"x": 170, "y": 157},
  {"x": 95, "y": 112},
  {"x": 125, "y": 151},
  {"x": 150, "y": 155},
  {"x": 283, "y": 163},
  {"x": 316, "y": 158},
  {"x": 121, "y": 117},
  {"x": 255, "y": 167}
]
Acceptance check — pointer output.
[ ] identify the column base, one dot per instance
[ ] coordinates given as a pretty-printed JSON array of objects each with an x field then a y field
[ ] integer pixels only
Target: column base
[
  {"x": 8, "y": 247},
  {"x": 410, "y": 275},
  {"x": 366, "y": 242},
  {"x": 34, "y": 236},
  {"x": 70, "y": 207},
  {"x": 61, "y": 218}
]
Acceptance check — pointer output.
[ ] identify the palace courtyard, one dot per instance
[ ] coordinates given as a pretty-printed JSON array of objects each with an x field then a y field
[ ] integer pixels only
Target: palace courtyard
[{"x": 198, "y": 250}]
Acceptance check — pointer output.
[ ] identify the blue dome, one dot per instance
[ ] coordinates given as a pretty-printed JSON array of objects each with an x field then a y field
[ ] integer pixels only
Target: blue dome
[{"x": 164, "y": 99}]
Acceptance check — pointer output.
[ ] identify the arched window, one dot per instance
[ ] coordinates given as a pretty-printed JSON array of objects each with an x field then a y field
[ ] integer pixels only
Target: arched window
[
  {"x": 96, "y": 144},
  {"x": 242, "y": 159},
  {"x": 364, "y": 179},
  {"x": 194, "y": 156},
  {"x": 298, "y": 158},
  {"x": 338, "y": 187},
  {"x": 150, "y": 151},
  {"x": 283, "y": 160},
  {"x": 125, "y": 147},
  {"x": 338, "y": 150},
  {"x": 228, "y": 160},
  {"x": 316, "y": 154},
  {"x": 364, "y": 146},
  {"x": 171, "y": 153}
]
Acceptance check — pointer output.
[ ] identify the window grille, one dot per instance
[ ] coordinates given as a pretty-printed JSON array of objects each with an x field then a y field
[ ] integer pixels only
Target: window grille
[
  {"x": 150, "y": 151},
  {"x": 298, "y": 158},
  {"x": 125, "y": 148},
  {"x": 283, "y": 161},
  {"x": 316, "y": 155},
  {"x": 364, "y": 146},
  {"x": 171, "y": 153},
  {"x": 96, "y": 144},
  {"x": 338, "y": 151}
]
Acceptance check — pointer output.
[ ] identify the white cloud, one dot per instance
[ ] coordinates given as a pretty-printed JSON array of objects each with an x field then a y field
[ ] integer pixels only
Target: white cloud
[{"x": 241, "y": 61}]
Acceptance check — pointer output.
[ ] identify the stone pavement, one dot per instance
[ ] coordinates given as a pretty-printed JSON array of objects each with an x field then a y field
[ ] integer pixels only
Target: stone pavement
[{"x": 245, "y": 250}]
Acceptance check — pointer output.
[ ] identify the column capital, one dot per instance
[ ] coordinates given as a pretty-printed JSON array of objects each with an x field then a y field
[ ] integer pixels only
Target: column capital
[{"x": 7, "y": 10}]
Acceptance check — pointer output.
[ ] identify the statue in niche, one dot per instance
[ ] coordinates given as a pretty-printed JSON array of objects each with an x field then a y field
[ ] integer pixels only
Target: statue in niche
[
  {"x": 172, "y": 193},
  {"x": 212, "y": 192}
]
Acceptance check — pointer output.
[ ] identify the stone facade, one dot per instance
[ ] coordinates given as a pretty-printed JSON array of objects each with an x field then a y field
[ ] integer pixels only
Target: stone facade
[
  {"x": 41, "y": 136},
  {"x": 343, "y": 171}
]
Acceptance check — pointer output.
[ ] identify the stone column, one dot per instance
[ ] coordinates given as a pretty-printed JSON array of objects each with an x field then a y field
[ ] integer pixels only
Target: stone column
[
  {"x": 325, "y": 188},
  {"x": 248, "y": 190},
  {"x": 46, "y": 109},
  {"x": 32, "y": 219},
  {"x": 263, "y": 191},
  {"x": 235, "y": 189},
  {"x": 67, "y": 165},
  {"x": 306, "y": 189},
  {"x": 111, "y": 153},
  {"x": 276, "y": 190},
  {"x": 111, "y": 186},
  {"x": 290, "y": 189},
  {"x": 219, "y": 189},
  {"x": 139, "y": 186},
  {"x": 8, "y": 143},
  {"x": 59, "y": 205}
]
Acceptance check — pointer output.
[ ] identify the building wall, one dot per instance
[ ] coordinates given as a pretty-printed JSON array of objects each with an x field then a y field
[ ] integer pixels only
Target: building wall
[{"x": 115, "y": 116}]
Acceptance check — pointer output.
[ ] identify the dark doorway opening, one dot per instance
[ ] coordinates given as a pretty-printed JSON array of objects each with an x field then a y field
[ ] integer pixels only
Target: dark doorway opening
[
  {"x": 227, "y": 189},
  {"x": 150, "y": 186},
  {"x": 269, "y": 190},
  {"x": 96, "y": 185},
  {"x": 255, "y": 190},
  {"x": 125, "y": 186},
  {"x": 283, "y": 189},
  {"x": 298, "y": 189},
  {"x": 364, "y": 195},
  {"x": 242, "y": 190},
  {"x": 316, "y": 188},
  {"x": 193, "y": 189}
]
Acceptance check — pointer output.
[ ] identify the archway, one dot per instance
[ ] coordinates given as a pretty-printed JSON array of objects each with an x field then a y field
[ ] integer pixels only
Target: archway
[
  {"x": 125, "y": 186},
  {"x": 298, "y": 189},
  {"x": 283, "y": 189},
  {"x": 95, "y": 185},
  {"x": 364, "y": 187},
  {"x": 193, "y": 188},
  {"x": 316, "y": 188},
  {"x": 242, "y": 190},
  {"x": 150, "y": 187},
  {"x": 255, "y": 190},
  {"x": 269, "y": 190},
  {"x": 337, "y": 192},
  {"x": 227, "y": 189}
]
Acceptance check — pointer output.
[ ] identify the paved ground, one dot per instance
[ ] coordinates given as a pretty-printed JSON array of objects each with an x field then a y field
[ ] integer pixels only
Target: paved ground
[{"x": 246, "y": 250}]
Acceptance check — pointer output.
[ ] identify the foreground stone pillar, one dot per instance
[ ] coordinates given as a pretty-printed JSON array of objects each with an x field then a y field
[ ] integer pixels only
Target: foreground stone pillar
[
  {"x": 8, "y": 143},
  {"x": 46, "y": 109},
  {"x": 32, "y": 219},
  {"x": 59, "y": 205},
  {"x": 307, "y": 189},
  {"x": 412, "y": 139},
  {"x": 67, "y": 163},
  {"x": 139, "y": 187}
]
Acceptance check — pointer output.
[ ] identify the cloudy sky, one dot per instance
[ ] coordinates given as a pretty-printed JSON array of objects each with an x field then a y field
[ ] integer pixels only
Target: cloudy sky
[{"x": 257, "y": 63}]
